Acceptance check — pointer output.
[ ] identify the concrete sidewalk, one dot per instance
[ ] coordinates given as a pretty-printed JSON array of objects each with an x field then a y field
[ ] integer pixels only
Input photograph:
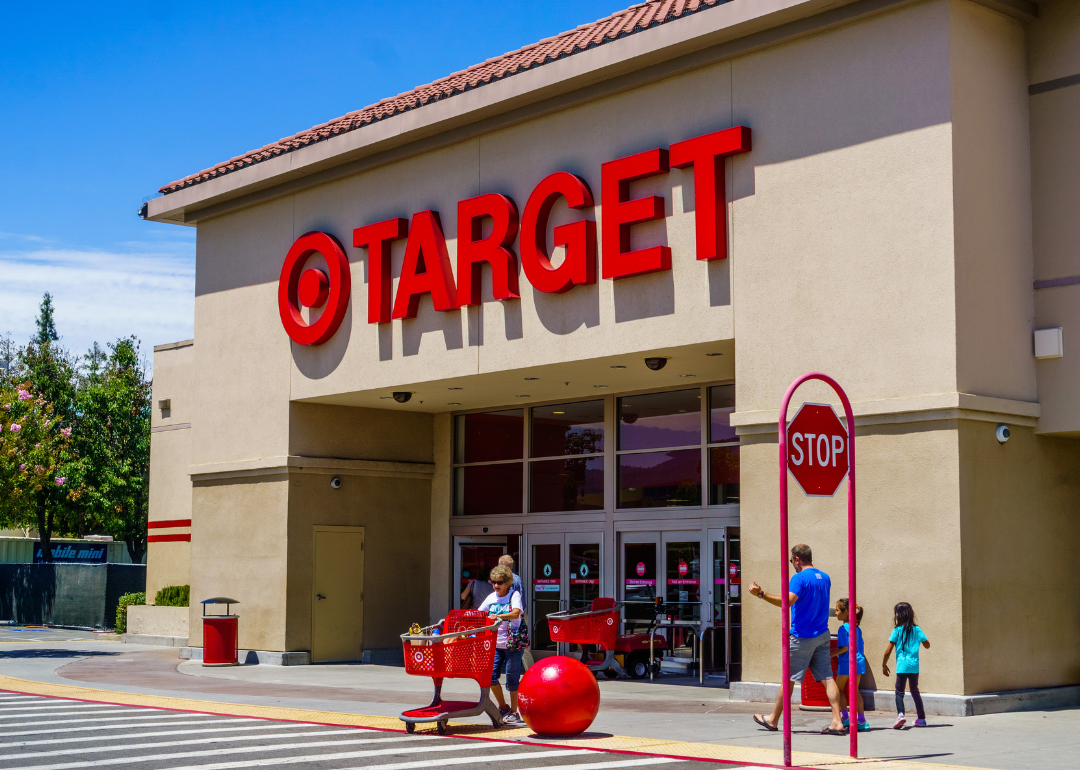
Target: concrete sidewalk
[{"x": 669, "y": 711}]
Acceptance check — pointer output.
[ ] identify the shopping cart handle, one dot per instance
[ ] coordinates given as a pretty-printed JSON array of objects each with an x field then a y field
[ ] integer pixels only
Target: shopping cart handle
[{"x": 571, "y": 614}]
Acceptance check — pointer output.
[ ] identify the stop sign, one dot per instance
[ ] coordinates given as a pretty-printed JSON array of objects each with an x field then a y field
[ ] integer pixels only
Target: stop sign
[{"x": 817, "y": 449}]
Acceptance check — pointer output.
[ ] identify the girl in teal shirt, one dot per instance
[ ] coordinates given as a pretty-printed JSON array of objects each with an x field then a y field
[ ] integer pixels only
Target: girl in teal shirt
[{"x": 906, "y": 638}]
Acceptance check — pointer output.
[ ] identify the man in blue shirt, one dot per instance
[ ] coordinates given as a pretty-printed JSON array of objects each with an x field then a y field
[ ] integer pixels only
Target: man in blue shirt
[{"x": 808, "y": 644}]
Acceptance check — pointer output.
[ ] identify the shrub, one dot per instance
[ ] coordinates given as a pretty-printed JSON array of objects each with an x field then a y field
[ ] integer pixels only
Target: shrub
[
  {"x": 121, "y": 609},
  {"x": 173, "y": 596}
]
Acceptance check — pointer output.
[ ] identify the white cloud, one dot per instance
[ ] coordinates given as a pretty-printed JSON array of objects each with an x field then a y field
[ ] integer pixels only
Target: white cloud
[{"x": 146, "y": 289}]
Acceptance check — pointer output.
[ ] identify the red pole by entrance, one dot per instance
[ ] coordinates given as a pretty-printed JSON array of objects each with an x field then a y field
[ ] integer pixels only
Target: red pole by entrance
[{"x": 785, "y": 605}]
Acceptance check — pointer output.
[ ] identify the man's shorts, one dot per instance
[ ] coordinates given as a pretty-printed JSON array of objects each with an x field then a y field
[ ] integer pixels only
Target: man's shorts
[{"x": 813, "y": 654}]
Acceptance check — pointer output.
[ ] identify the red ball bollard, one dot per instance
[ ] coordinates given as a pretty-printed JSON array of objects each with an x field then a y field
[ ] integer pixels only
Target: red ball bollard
[{"x": 558, "y": 697}]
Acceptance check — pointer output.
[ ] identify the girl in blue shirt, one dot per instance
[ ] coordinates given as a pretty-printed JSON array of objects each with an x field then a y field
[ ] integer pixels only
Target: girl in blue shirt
[
  {"x": 843, "y": 644},
  {"x": 906, "y": 638}
]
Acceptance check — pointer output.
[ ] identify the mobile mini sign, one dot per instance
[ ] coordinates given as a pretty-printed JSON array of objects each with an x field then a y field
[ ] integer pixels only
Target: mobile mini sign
[{"x": 427, "y": 269}]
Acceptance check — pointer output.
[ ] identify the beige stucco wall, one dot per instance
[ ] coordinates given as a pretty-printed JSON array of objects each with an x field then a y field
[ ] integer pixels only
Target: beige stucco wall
[
  {"x": 239, "y": 550},
  {"x": 170, "y": 457},
  {"x": 1020, "y": 523},
  {"x": 1053, "y": 53},
  {"x": 157, "y": 621},
  {"x": 395, "y": 514},
  {"x": 908, "y": 545}
]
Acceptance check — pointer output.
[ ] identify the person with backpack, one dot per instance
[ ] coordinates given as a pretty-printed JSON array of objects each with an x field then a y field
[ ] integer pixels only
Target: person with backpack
[
  {"x": 906, "y": 638},
  {"x": 505, "y": 604}
]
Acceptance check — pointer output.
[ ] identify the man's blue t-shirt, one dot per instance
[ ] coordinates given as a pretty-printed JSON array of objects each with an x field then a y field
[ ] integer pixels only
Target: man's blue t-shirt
[
  {"x": 810, "y": 615},
  {"x": 907, "y": 650},
  {"x": 843, "y": 641}
]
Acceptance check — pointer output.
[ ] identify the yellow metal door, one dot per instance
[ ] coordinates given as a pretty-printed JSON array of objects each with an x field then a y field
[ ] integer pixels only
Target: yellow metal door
[{"x": 337, "y": 616}]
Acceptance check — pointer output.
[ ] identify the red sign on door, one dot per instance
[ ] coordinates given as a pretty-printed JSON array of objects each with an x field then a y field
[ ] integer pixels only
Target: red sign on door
[
  {"x": 683, "y": 569},
  {"x": 640, "y": 568},
  {"x": 817, "y": 450}
]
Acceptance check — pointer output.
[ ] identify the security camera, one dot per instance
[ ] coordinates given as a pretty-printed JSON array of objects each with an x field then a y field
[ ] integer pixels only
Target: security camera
[
  {"x": 656, "y": 363},
  {"x": 335, "y": 483},
  {"x": 1002, "y": 433},
  {"x": 402, "y": 396}
]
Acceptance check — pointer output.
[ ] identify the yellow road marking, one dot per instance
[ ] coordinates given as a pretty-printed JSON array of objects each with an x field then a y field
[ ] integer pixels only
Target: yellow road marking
[{"x": 652, "y": 746}]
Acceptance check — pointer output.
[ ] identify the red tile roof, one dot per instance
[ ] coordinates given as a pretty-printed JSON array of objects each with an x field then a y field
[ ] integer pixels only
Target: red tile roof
[{"x": 634, "y": 19}]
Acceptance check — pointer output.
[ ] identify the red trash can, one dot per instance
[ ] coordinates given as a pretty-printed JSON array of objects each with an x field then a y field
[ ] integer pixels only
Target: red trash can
[
  {"x": 811, "y": 692},
  {"x": 220, "y": 635}
]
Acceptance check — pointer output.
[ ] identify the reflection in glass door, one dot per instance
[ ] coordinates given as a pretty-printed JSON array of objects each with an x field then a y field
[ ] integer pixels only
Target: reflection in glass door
[
  {"x": 584, "y": 574},
  {"x": 546, "y": 571},
  {"x": 474, "y": 563},
  {"x": 639, "y": 574}
]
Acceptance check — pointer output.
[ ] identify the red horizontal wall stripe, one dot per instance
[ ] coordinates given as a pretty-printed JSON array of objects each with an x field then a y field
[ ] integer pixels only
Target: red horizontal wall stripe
[
  {"x": 170, "y": 523},
  {"x": 169, "y": 539}
]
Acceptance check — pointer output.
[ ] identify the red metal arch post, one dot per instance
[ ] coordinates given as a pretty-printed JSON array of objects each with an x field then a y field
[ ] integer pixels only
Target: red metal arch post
[{"x": 785, "y": 608}]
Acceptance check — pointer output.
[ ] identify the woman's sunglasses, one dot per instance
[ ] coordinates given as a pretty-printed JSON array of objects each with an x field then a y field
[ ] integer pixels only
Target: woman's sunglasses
[{"x": 498, "y": 582}]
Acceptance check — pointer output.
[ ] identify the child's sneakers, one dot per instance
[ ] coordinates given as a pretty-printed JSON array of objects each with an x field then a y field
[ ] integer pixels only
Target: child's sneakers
[
  {"x": 845, "y": 721},
  {"x": 864, "y": 726},
  {"x": 901, "y": 720},
  {"x": 512, "y": 720},
  {"x": 920, "y": 723}
]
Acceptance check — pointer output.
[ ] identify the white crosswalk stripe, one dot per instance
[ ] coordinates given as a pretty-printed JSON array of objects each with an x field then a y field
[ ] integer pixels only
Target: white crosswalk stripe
[
  {"x": 89, "y": 738},
  {"x": 95, "y": 710},
  {"x": 168, "y": 715},
  {"x": 286, "y": 733},
  {"x": 219, "y": 752},
  {"x": 119, "y": 727},
  {"x": 46, "y": 737},
  {"x": 4, "y": 708}
]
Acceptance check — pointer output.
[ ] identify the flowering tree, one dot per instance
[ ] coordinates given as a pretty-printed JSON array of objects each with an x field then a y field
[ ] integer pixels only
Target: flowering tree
[{"x": 35, "y": 449}]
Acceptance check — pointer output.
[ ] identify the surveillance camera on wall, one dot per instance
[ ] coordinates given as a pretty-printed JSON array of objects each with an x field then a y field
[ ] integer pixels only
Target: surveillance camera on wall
[
  {"x": 335, "y": 483},
  {"x": 402, "y": 396},
  {"x": 1002, "y": 433},
  {"x": 656, "y": 363}
]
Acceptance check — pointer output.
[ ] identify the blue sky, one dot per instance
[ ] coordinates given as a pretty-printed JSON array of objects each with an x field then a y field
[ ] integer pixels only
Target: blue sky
[{"x": 102, "y": 103}]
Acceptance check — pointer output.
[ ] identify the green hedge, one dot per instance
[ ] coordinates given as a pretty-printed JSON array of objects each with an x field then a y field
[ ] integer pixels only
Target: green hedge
[
  {"x": 173, "y": 596},
  {"x": 121, "y": 609}
]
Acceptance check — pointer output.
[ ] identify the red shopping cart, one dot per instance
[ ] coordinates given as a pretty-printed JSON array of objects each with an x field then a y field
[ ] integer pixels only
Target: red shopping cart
[
  {"x": 465, "y": 649},
  {"x": 598, "y": 625}
]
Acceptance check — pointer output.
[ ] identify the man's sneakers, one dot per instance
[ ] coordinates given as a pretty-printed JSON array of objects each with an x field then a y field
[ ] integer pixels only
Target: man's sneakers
[
  {"x": 901, "y": 720},
  {"x": 920, "y": 723}
]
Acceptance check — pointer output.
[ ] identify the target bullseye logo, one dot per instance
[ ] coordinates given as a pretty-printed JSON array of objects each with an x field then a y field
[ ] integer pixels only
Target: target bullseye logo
[
  {"x": 487, "y": 644},
  {"x": 418, "y": 657},
  {"x": 312, "y": 288},
  {"x": 554, "y": 629},
  {"x": 611, "y": 621}
]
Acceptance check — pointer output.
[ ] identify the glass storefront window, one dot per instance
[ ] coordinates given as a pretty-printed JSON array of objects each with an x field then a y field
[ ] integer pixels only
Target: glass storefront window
[
  {"x": 723, "y": 459},
  {"x": 568, "y": 429},
  {"x": 665, "y": 443},
  {"x": 660, "y": 479},
  {"x": 660, "y": 420},
  {"x": 724, "y": 475},
  {"x": 484, "y": 490},
  {"x": 567, "y": 485},
  {"x": 639, "y": 584},
  {"x": 721, "y": 405},
  {"x": 489, "y": 436}
]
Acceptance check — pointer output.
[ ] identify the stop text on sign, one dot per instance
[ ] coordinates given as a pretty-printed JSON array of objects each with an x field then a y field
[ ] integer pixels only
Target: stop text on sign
[
  {"x": 817, "y": 449},
  {"x": 427, "y": 269}
]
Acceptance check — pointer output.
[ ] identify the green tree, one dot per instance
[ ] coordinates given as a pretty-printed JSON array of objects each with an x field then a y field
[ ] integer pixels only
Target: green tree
[
  {"x": 46, "y": 326},
  {"x": 113, "y": 473},
  {"x": 35, "y": 450}
]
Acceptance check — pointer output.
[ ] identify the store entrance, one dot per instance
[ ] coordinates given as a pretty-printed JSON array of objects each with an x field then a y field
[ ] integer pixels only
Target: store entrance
[
  {"x": 564, "y": 574},
  {"x": 666, "y": 565},
  {"x": 474, "y": 558},
  {"x": 723, "y": 644}
]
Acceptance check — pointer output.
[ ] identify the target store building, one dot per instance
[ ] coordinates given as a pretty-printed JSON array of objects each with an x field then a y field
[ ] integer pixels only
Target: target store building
[{"x": 549, "y": 306}]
